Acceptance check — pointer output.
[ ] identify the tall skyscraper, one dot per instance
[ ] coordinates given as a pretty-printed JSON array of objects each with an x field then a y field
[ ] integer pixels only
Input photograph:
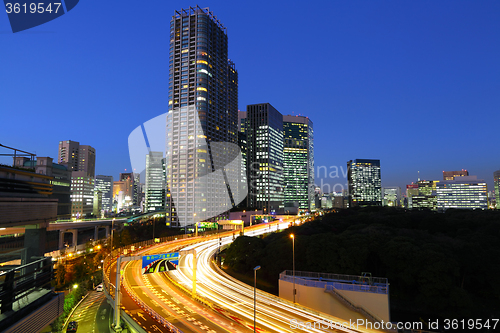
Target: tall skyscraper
[
  {"x": 80, "y": 159},
  {"x": 364, "y": 183},
  {"x": 155, "y": 182},
  {"x": 496, "y": 184},
  {"x": 298, "y": 162},
  {"x": 264, "y": 129},
  {"x": 104, "y": 184},
  {"x": 242, "y": 142},
  {"x": 203, "y": 108}
]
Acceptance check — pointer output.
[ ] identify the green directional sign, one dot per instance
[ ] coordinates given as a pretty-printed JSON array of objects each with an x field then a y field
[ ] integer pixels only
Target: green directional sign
[{"x": 155, "y": 263}]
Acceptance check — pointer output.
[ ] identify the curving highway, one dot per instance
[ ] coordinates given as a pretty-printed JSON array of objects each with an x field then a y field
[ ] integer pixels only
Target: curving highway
[{"x": 228, "y": 303}]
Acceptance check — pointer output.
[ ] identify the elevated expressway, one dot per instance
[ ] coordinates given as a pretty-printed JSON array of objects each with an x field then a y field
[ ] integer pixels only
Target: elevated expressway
[{"x": 159, "y": 301}]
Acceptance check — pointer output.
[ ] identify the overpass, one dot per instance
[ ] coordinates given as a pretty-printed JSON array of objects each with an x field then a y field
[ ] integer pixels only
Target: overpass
[{"x": 69, "y": 227}]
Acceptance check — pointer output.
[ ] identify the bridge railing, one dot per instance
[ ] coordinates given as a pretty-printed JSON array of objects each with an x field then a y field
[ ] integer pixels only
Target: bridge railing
[
  {"x": 339, "y": 284},
  {"x": 339, "y": 277},
  {"x": 18, "y": 283}
]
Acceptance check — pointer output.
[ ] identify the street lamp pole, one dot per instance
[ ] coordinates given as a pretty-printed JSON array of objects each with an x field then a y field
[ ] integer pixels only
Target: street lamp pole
[
  {"x": 195, "y": 225},
  {"x": 293, "y": 251},
  {"x": 154, "y": 219},
  {"x": 255, "y": 295},
  {"x": 112, "y": 231}
]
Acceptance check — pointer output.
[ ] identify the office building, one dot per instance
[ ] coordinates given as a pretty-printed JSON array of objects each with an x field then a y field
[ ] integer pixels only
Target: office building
[
  {"x": 391, "y": 196},
  {"x": 77, "y": 157},
  {"x": 264, "y": 129},
  {"x": 411, "y": 190},
  {"x": 80, "y": 160},
  {"x": 128, "y": 185},
  {"x": 104, "y": 184},
  {"x": 61, "y": 182},
  {"x": 496, "y": 184},
  {"x": 298, "y": 162},
  {"x": 466, "y": 192},
  {"x": 450, "y": 175},
  {"x": 426, "y": 196},
  {"x": 82, "y": 195},
  {"x": 155, "y": 182},
  {"x": 203, "y": 108},
  {"x": 28, "y": 302},
  {"x": 364, "y": 182},
  {"x": 242, "y": 143},
  {"x": 97, "y": 204}
]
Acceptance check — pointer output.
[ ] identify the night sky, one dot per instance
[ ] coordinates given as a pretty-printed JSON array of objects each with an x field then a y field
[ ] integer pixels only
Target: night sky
[{"x": 413, "y": 83}]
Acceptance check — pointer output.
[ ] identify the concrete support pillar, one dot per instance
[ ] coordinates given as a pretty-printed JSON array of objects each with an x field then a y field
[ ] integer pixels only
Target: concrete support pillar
[
  {"x": 96, "y": 233},
  {"x": 75, "y": 237},
  {"x": 61, "y": 239},
  {"x": 107, "y": 230},
  {"x": 34, "y": 242}
]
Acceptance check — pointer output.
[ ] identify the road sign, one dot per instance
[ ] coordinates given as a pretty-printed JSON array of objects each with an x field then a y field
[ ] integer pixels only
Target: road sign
[{"x": 155, "y": 263}]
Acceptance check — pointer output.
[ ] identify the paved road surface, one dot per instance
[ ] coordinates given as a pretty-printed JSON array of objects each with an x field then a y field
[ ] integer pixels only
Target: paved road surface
[{"x": 93, "y": 314}]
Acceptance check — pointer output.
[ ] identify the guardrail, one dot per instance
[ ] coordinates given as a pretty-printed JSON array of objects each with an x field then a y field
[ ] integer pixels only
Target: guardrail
[
  {"x": 353, "y": 286},
  {"x": 19, "y": 282},
  {"x": 340, "y": 277}
]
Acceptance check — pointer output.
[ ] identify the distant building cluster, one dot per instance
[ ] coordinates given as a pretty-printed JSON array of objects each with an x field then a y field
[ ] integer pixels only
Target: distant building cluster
[
  {"x": 456, "y": 190},
  {"x": 277, "y": 153}
]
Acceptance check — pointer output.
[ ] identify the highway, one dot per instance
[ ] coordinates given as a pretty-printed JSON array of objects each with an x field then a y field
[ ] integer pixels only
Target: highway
[
  {"x": 235, "y": 299},
  {"x": 231, "y": 301},
  {"x": 174, "y": 306}
]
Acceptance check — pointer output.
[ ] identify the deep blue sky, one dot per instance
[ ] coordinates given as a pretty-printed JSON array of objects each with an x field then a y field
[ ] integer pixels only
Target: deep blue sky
[{"x": 413, "y": 83}]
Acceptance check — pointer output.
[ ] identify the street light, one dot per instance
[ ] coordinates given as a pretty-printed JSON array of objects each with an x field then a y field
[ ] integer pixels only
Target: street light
[
  {"x": 255, "y": 295},
  {"x": 195, "y": 225},
  {"x": 112, "y": 231},
  {"x": 293, "y": 251}
]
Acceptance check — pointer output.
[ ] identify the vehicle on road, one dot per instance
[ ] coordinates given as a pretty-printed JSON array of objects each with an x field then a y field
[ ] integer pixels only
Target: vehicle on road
[
  {"x": 72, "y": 326},
  {"x": 99, "y": 288}
]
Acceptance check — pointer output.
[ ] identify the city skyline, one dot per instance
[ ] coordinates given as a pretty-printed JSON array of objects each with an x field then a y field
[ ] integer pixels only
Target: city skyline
[{"x": 412, "y": 76}]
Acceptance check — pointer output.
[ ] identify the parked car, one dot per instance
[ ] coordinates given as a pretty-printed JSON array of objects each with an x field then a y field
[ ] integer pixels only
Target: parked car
[{"x": 72, "y": 326}]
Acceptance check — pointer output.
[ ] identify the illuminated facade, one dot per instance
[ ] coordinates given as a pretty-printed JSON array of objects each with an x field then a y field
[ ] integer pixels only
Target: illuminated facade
[
  {"x": 364, "y": 183},
  {"x": 411, "y": 191},
  {"x": 155, "y": 182},
  {"x": 203, "y": 108},
  {"x": 496, "y": 184},
  {"x": 298, "y": 162},
  {"x": 80, "y": 159},
  {"x": 466, "y": 192},
  {"x": 391, "y": 196},
  {"x": 82, "y": 195},
  {"x": 426, "y": 198},
  {"x": 264, "y": 130},
  {"x": 104, "y": 184}
]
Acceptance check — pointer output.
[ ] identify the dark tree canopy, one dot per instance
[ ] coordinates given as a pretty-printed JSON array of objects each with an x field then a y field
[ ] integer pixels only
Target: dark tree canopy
[{"x": 438, "y": 265}]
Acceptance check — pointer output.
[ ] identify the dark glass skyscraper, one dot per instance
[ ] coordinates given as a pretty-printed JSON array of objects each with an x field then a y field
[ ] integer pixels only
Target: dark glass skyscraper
[
  {"x": 203, "y": 108},
  {"x": 298, "y": 163},
  {"x": 364, "y": 182},
  {"x": 264, "y": 130}
]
